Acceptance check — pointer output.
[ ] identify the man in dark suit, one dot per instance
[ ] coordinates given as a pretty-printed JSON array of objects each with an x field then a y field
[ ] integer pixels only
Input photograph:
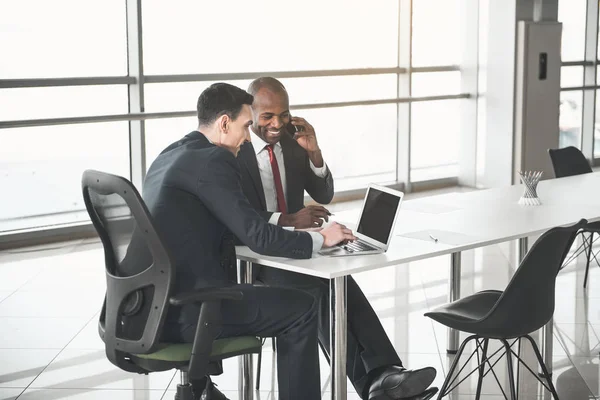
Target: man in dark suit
[
  {"x": 373, "y": 366},
  {"x": 194, "y": 195}
]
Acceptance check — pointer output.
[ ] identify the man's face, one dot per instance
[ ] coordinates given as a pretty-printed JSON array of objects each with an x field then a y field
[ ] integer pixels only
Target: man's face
[
  {"x": 237, "y": 132},
  {"x": 271, "y": 114}
]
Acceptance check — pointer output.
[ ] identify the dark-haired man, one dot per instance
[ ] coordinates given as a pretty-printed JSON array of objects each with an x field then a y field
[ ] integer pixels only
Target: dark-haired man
[{"x": 194, "y": 195}]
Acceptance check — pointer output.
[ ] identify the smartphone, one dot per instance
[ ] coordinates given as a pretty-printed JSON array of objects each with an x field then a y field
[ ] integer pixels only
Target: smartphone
[{"x": 291, "y": 128}]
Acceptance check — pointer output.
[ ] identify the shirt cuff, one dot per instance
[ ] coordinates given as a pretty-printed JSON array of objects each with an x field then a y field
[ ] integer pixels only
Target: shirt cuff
[
  {"x": 317, "y": 240},
  {"x": 320, "y": 172},
  {"x": 274, "y": 220}
]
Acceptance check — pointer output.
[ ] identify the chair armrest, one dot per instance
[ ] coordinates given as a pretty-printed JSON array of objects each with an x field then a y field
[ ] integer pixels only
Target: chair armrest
[{"x": 224, "y": 293}]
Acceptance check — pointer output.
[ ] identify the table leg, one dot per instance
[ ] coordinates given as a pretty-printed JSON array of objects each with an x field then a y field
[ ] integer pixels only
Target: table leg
[
  {"x": 245, "y": 362},
  {"x": 338, "y": 315},
  {"x": 547, "y": 342},
  {"x": 453, "y": 295},
  {"x": 523, "y": 249}
]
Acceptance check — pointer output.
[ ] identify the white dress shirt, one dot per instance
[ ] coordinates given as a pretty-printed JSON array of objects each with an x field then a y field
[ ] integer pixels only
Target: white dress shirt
[{"x": 266, "y": 176}]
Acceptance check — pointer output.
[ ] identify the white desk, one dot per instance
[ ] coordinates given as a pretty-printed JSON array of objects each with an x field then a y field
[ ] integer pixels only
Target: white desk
[{"x": 463, "y": 221}]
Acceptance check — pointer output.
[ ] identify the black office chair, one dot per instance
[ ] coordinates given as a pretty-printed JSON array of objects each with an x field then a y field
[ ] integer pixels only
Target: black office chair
[
  {"x": 568, "y": 162},
  {"x": 140, "y": 276},
  {"x": 525, "y": 306}
]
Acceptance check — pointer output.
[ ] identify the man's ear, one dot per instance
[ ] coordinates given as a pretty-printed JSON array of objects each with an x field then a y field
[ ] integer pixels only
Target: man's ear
[{"x": 224, "y": 122}]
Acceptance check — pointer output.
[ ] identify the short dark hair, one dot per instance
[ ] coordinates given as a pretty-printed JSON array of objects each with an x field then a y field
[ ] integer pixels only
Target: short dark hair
[{"x": 221, "y": 99}]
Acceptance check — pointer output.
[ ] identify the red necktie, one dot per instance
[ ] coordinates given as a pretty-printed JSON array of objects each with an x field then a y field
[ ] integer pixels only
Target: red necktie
[{"x": 277, "y": 178}]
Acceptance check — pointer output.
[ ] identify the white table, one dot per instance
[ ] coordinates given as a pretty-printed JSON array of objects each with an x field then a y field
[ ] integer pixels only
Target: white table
[{"x": 461, "y": 221}]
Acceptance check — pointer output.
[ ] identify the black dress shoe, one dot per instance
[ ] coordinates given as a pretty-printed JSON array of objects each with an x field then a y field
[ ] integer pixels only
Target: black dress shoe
[
  {"x": 426, "y": 395},
  {"x": 396, "y": 383},
  {"x": 209, "y": 392}
]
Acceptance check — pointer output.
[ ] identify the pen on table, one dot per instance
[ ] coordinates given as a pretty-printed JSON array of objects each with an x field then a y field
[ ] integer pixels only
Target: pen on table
[{"x": 433, "y": 238}]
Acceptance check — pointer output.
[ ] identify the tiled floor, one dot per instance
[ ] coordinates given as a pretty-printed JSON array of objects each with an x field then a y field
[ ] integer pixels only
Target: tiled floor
[{"x": 49, "y": 347}]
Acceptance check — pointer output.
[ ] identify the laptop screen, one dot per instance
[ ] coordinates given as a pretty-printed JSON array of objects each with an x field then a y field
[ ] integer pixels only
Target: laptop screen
[{"x": 378, "y": 215}]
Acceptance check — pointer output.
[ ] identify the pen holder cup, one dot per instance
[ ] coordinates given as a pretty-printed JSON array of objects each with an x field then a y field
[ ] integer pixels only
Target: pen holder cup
[{"x": 530, "y": 180}]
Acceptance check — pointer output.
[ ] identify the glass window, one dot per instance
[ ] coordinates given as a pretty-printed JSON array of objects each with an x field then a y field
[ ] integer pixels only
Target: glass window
[
  {"x": 184, "y": 95},
  {"x": 41, "y": 168},
  {"x": 348, "y": 135},
  {"x": 569, "y": 123},
  {"x": 434, "y": 139},
  {"x": 62, "y": 38},
  {"x": 179, "y": 96},
  {"x": 162, "y": 132},
  {"x": 268, "y": 35},
  {"x": 57, "y": 102},
  {"x": 435, "y": 83},
  {"x": 436, "y": 34},
  {"x": 572, "y": 14},
  {"x": 597, "y": 127},
  {"x": 571, "y": 77}
]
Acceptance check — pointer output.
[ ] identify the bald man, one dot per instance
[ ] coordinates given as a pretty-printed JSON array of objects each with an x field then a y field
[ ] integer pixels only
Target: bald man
[{"x": 283, "y": 160}]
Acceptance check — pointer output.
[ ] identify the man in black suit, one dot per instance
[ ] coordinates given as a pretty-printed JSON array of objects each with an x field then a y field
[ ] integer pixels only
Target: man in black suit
[
  {"x": 194, "y": 195},
  {"x": 373, "y": 366}
]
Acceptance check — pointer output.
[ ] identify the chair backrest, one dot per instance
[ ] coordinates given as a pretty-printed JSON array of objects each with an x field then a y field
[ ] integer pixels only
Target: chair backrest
[
  {"x": 139, "y": 271},
  {"x": 527, "y": 303},
  {"x": 569, "y": 161}
]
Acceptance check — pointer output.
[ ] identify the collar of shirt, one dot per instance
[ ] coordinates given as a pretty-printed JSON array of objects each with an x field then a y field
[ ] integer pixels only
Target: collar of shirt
[{"x": 258, "y": 143}]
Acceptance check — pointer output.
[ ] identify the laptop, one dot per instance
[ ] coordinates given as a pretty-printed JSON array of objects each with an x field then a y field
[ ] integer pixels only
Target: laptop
[{"x": 375, "y": 225}]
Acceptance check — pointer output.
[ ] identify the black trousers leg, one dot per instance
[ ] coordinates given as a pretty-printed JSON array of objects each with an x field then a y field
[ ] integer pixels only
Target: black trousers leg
[
  {"x": 289, "y": 315},
  {"x": 368, "y": 345}
]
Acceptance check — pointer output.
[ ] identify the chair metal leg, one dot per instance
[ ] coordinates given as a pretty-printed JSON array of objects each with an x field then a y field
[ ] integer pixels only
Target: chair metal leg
[
  {"x": 509, "y": 365},
  {"x": 589, "y": 255},
  {"x": 547, "y": 376},
  {"x": 258, "y": 365},
  {"x": 184, "y": 389},
  {"x": 481, "y": 368},
  {"x": 448, "y": 379}
]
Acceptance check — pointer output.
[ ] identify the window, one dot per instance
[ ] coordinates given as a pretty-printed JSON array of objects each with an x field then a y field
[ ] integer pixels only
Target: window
[
  {"x": 354, "y": 108},
  {"x": 41, "y": 168},
  {"x": 435, "y": 83},
  {"x": 162, "y": 132},
  {"x": 571, "y": 77},
  {"x": 436, "y": 32},
  {"x": 358, "y": 143},
  {"x": 62, "y": 38},
  {"x": 60, "y": 102},
  {"x": 308, "y": 40},
  {"x": 570, "y": 119},
  {"x": 572, "y": 14},
  {"x": 435, "y": 139}
]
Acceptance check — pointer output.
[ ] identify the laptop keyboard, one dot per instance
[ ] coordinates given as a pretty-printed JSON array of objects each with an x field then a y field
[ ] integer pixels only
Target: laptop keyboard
[{"x": 357, "y": 245}]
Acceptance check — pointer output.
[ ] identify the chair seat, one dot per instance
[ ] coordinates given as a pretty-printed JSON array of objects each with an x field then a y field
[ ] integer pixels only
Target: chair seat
[
  {"x": 464, "y": 314},
  {"x": 221, "y": 349}
]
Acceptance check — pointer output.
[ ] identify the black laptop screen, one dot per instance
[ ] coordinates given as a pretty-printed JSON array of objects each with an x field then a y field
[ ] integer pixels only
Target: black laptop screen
[{"x": 378, "y": 215}]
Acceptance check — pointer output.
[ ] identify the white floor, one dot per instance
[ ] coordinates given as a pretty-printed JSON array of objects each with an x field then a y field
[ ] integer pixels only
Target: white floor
[{"x": 49, "y": 347}]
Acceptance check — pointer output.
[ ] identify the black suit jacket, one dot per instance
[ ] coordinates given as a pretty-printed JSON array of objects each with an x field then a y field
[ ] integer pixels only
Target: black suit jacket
[
  {"x": 299, "y": 177},
  {"x": 194, "y": 195}
]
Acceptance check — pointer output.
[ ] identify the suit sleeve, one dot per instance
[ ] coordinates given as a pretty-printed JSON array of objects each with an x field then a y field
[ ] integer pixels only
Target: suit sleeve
[
  {"x": 320, "y": 189},
  {"x": 219, "y": 188}
]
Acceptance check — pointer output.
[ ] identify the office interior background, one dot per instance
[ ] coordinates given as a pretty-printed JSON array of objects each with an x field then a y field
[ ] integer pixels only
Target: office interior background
[{"x": 419, "y": 94}]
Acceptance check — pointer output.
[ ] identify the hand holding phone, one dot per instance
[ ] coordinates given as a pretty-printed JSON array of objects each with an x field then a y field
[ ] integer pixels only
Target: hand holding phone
[{"x": 291, "y": 129}]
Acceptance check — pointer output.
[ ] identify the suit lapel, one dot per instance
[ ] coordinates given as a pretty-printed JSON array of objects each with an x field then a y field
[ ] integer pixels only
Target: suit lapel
[{"x": 248, "y": 158}]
